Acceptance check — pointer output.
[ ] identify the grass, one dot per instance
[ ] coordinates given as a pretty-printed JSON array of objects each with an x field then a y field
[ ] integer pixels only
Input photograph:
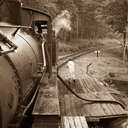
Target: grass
[
  {"x": 80, "y": 44},
  {"x": 75, "y": 45}
]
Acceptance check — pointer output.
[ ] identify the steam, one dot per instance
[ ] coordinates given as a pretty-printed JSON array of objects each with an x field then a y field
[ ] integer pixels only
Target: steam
[{"x": 62, "y": 21}]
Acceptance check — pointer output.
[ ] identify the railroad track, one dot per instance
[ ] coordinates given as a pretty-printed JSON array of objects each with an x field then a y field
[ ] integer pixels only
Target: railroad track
[{"x": 63, "y": 60}]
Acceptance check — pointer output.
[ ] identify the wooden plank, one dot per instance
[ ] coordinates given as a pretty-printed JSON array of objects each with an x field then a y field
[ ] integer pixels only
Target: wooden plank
[
  {"x": 77, "y": 107},
  {"x": 62, "y": 106},
  {"x": 118, "y": 109},
  {"x": 80, "y": 107},
  {"x": 110, "y": 108},
  {"x": 86, "y": 90},
  {"x": 83, "y": 107},
  {"x": 107, "y": 107},
  {"x": 78, "y": 85},
  {"x": 97, "y": 109},
  {"x": 99, "y": 85},
  {"x": 106, "y": 110},
  {"x": 47, "y": 107},
  {"x": 77, "y": 122},
  {"x": 47, "y": 102},
  {"x": 94, "y": 110},
  {"x": 66, "y": 122},
  {"x": 67, "y": 105},
  {"x": 71, "y": 122},
  {"x": 74, "y": 111},
  {"x": 74, "y": 122},
  {"x": 83, "y": 122},
  {"x": 92, "y": 83}
]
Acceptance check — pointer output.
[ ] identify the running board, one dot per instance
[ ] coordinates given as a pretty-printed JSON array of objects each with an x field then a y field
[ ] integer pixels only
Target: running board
[{"x": 46, "y": 110}]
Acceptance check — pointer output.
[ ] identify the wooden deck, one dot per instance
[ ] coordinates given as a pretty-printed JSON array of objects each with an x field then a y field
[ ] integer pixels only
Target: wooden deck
[
  {"x": 74, "y": 122},
  {"x": 89, "y": 88},
  {"x": 56, "y": 107}
]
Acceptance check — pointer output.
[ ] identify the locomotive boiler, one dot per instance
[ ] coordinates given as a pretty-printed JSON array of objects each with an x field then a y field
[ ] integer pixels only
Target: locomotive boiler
[{"x": 25, "y": 54}]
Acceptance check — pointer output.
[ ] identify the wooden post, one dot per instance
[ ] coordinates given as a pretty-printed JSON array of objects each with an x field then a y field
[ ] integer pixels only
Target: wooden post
[
  {"x": 125, "y": 32},
  {"x": 124, "y": 44},
  {"x": 77, "y": 26}
]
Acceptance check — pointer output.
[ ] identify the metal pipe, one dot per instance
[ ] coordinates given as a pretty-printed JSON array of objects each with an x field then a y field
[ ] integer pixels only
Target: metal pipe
[
  {"x": 43, "y": 54},
  {"x": 13, "y": 26}
]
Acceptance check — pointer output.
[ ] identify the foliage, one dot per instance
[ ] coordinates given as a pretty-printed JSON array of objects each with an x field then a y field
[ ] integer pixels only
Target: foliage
[
  {"x": 90, "y": 18},
  {"x": 67, "y": 5},
  {"x": 115, "y": 14}
]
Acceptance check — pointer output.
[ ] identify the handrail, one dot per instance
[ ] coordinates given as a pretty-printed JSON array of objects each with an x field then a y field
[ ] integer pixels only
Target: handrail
[
  {"x": 43, "y": 54},
  {"x": 15, "y": 26}
]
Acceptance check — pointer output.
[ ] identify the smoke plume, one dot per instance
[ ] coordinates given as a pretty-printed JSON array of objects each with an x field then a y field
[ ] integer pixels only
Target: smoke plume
[{"x": 62, "y": 21}]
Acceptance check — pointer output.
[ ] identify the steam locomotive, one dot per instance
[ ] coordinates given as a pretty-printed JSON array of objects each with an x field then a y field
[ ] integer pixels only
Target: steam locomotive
[
  {"x": 26, "y": 48},
  {"x": 27, "y": 52}
]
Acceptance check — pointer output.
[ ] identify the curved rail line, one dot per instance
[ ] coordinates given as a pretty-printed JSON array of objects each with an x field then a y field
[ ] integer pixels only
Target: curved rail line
[{"x": 63, "y": 60}]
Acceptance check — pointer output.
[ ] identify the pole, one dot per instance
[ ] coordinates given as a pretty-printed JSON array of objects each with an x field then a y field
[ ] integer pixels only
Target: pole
[
  {"x": 125, "y": 31},
  {"x": 124, "y": 39},
  {"x": 77, "y": 26}
]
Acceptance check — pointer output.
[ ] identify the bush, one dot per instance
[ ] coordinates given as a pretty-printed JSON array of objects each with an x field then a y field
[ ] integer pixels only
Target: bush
[
  {"x": 80, "y": 44},
  {"x": 76, "y": 45}
]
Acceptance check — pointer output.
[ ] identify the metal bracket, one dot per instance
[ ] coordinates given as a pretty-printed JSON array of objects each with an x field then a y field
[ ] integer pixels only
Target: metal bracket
[
  {"x": 7, "y": 42},
  {"x": 41, "y": 68}
]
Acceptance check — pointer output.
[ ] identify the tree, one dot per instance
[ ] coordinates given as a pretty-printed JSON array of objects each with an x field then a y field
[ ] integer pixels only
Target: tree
[
  {"x": 115, "y": 14},
  {"x": 70, "y": 6},
  {"x": 89, "y": 26}
]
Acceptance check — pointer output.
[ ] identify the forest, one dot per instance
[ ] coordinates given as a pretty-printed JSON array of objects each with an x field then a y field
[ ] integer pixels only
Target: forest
[
  {"x": 96, "y": 18},
  {"x": 91, "y": 20}
]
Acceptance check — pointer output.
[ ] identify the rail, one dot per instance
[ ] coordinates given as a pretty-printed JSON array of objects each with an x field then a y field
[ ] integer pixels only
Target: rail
[{"x": 63, "y": 60}]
